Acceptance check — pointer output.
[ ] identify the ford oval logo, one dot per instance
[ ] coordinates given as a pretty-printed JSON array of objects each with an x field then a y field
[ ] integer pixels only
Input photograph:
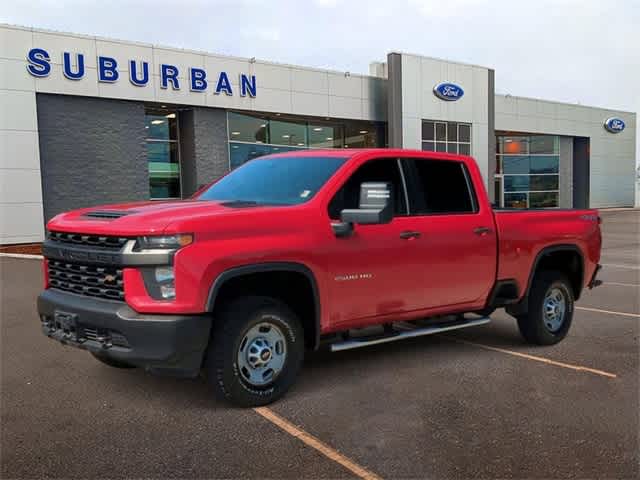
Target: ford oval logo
[
  {"x": 614, "y": 124},
  {"x": 448, "y": 91}
]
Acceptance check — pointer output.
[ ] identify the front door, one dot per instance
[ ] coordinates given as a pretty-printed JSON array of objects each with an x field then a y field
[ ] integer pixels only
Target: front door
[{"x": 368, "y": 269}]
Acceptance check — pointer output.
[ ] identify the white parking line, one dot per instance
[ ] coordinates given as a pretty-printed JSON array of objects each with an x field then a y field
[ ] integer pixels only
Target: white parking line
[
  {"x": 316, "y": 444},
  {"x": 611, "y": 312},
  {"x": 534, "y": 358},
  {"x": 617, "y": 265},
  {"x": 636, "y": 285}
]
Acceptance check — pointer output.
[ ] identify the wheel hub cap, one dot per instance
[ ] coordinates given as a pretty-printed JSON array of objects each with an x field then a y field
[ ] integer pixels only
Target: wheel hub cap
[
  {"x": 554, "y": 309},
  {"x": 262, "y": 354}
]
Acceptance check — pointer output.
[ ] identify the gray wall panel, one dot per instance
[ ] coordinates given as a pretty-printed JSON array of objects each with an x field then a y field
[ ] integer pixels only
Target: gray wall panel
[
  {"x": 566, "y": 172},
  {"x": 394, "y": 100},
  {"x": 491, "y": 130},
  {"x": 204, "y": 148},
  {"x": 92, "y": 152},
  {"x": 211, "y": 144}
]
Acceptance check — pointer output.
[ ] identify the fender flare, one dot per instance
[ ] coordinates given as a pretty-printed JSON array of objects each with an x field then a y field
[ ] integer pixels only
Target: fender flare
[
  {"x": 234, "y": 272},
  {"x": 565, "y": 247}
]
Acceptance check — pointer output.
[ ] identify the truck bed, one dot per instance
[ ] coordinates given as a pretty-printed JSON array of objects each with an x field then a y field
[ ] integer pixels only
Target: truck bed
[{"x": 523, "y": 234}]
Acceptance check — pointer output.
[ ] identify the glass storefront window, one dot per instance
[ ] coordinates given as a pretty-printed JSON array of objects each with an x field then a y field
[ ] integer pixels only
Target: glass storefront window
[
  {"x": 360, "y": 135},
  {"x": 530, "y": 165},
  {"x": 515, "y": 164},
  {"x": 544, "y": 163},
  {"x": 428, "y": 131},
  {"x": 325, "y": 136},
  {"x": 243, "y": 152},
  {"x": 543, "y": 199},
  {"x": 288, "y": 133},
  {"x": 544, "y": 144},
  {"x": 255, "y": 135},
  {"x": 161, "y": 128},
  {"x": 515, "y": 200},
  {"x": 244, "y": 128},
  {"x": 450, "y": 137},
  {"x": 513, "y": 145}
]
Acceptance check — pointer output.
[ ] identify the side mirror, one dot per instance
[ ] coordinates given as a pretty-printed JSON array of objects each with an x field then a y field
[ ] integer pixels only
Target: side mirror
[{"x": 375, "y": 207}]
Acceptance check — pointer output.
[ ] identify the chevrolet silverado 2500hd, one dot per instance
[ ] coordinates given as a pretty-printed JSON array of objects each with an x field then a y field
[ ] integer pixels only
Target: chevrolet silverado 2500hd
[{"x": 344, "y": 247}]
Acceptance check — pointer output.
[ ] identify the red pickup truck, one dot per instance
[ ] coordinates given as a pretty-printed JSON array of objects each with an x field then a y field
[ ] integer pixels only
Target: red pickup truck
[{"x": 340, "y": 247}]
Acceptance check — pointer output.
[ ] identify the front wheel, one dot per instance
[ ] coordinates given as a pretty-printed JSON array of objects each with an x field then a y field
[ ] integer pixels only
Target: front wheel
[
  {"x": 255, "y": 352},
  {"x": 550, "y": 309}
]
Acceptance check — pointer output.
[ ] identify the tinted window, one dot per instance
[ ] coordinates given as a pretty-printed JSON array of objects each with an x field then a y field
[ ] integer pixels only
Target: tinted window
[
  {"x": 382, "y": 170},
  {"x": 442, "y": 188},
  {"x": 274, "y": 180}
]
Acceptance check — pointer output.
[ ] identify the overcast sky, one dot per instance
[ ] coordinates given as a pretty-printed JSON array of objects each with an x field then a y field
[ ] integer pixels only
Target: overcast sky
[{"x": 582, "y": 51}]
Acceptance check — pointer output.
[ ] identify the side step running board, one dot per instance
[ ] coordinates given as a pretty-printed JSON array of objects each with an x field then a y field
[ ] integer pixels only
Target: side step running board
[{"x": 408, "y": 331}]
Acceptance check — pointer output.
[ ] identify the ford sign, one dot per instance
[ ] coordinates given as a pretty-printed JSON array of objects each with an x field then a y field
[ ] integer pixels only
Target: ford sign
[
  {"x": 448, "y": 91},
  {"x": 614, "y": 125}
]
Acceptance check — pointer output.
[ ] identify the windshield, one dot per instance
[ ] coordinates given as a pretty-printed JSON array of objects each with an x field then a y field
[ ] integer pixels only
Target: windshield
[{"x": 274, "y": 180}]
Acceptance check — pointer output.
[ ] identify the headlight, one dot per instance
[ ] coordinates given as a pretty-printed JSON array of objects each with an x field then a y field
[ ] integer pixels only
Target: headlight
[{"x": 165, "y": 242}]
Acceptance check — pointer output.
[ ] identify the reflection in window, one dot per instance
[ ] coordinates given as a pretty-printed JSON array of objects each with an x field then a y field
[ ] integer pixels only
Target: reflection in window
[
  {"x": 450, "y": 137},
  {"x": 288, "y": 133},
  {"x": 255, "y": 135},
  {"x": 244, "y": 128},
  {"x": 161, "y": 129},
  {"x": 325, "y": 135}
]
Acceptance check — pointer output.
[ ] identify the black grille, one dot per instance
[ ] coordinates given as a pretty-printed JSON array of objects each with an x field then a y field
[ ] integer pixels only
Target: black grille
[
  {"x": 109, "y": 243},
  {"x": 83, "y": 279},
  {"x": 106, "y": 214}
]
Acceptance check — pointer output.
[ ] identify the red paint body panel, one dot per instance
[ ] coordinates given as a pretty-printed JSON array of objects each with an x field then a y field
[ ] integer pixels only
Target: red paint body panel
[{"x": 448, "y": 269}]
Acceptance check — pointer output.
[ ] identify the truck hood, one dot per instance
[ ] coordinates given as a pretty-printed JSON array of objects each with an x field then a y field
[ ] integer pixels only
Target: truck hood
[{"x": 140, "y": 218}]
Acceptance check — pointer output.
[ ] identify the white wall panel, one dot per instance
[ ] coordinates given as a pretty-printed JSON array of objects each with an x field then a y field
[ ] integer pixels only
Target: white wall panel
[
  {"x": 19, "y": 149},
  {"x": 309, "y": 104},
  {"x": 14, "y": 76},
  {"x": 18, "y": 110},
  {"x": 21, "y": 223},
  {"x": 310, "y": 81},
  {"x": 20, "y": 186},
  {"x": 345, "y": 107}
]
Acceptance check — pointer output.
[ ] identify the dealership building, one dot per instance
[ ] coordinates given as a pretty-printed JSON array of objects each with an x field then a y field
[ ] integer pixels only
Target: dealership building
[{"x": 87, "y": 120}]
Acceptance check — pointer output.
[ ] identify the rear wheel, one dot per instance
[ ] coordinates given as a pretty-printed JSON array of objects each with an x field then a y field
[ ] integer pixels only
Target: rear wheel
[
  {"x": 255, "y": 352},
  {"x": 550, "y": 309},
  {"x": 111, "y": 362}
]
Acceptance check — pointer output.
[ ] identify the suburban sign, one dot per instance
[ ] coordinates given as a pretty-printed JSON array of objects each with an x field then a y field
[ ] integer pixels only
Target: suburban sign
[
  {"x": 109, "y": 71},
  {"x": 614, "y": 125},
  {"x": 448, "y": 91}
]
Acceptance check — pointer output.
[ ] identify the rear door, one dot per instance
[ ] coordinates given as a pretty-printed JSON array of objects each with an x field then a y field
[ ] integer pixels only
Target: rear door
[{"x": 455, "y": 255}]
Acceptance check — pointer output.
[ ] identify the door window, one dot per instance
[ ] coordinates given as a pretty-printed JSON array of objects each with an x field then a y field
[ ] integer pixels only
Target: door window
[
  {"x": 379, "y": 170},
  {"x": 442, "y": 186}
]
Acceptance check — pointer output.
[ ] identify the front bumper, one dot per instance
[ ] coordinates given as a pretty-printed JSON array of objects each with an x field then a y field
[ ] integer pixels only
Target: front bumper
[{"x": 167, "y": 344}]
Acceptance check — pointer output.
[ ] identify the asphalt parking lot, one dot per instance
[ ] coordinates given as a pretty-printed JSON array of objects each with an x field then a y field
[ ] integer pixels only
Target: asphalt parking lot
[{"x": 477, "y": 403}]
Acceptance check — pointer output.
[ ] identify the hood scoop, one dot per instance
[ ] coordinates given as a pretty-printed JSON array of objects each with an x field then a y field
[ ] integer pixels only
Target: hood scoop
[{"x": 107, "y": 214}]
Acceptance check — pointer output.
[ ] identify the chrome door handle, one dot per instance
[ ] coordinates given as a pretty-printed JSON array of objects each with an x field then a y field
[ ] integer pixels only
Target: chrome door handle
[{"x": 406, "y": 235}]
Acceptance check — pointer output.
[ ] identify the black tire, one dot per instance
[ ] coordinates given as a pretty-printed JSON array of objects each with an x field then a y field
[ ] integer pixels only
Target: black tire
[
  {"x": 111, "y": 362},
  {"x": 231, "y": 324},
  {"x": 533, "y": 325}
]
